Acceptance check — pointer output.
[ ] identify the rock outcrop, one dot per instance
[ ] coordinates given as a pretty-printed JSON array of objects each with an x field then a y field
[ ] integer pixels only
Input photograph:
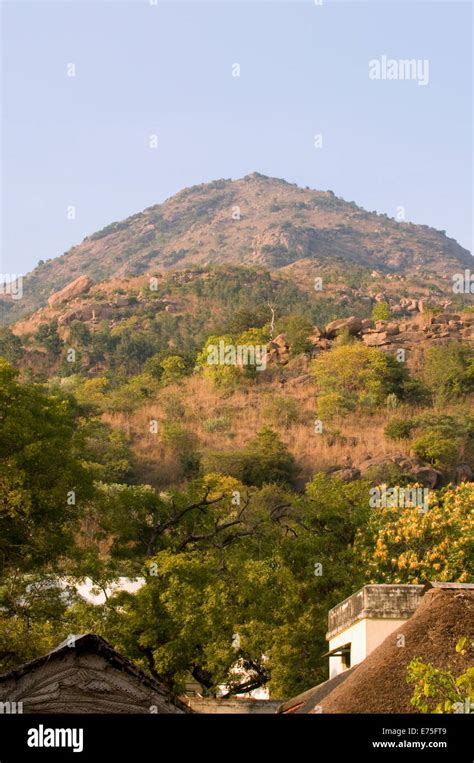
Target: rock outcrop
[
  {"x": 73, "y": 289},
  {"x": 278, "y": 350},
  {"x": 352, "y": 325},
  {"x": 421, "y": 472}
]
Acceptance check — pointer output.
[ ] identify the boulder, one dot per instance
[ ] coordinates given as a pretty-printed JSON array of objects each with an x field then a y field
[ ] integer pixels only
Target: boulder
[
  {"x": 444, "y": 318},
  {"x": 427, "y": 475},
  {"x": 278, "y": 350},
  {"x": 377, "y": 339},
  {"x": 353, "y": 325},
  {"x": 280, "y": 341},
  {"x": 87, "y": 312},
  {"x": 316, "y": 335},
  {"x": 123, "y": 300},
  {"x": 463, "y": 473},
  {"x": 322, "y": 344},
  {"x": 73, "y": 289},
  {"x": 423, "y": 473},
  {"x": 347, "y": 474}
]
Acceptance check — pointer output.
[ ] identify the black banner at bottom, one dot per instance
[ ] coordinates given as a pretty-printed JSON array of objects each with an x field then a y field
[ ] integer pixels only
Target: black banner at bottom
[{"x": 99, "y": 737}]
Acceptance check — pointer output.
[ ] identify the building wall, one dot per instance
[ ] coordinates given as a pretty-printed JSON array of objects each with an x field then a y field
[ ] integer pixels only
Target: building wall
[
  {"x": 378, "y": 630},
  {"x": 364, "y": 636},
  {"x": 233, "y": 706},
  {"x": 356, "y": 636}
]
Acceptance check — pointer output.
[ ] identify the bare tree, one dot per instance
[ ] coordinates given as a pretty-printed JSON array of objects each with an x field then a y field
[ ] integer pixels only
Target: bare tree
[{"x": 272, "y": 306}]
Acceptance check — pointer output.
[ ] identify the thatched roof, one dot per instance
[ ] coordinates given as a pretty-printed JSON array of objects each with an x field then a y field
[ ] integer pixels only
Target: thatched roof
[
  {"x": 378, "y": 685},
  {"x": 308, "y": 701},
  {"x": 85, "y": 674}
]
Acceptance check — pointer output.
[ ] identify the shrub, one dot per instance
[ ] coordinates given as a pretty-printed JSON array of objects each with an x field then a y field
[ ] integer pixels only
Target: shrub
[
  {"x": 414, "y": 391},
  {"x": 439, "y": 451},
  {"x": 182, "y": 444},
  {"x": 172, "y": 406},
  {"x": 264, "y": 460},
  {"x": 153, "y": 366},
  {"x": 381, "y": 312},
  {"x": 133, "y": 393},
  {"x": 335, "y": 404},
  {"x": 174, "y": 368},
  {"x": 281, "y": 410},
  {"x": 399, "y": 429},
  {"x": 217, "y": 424}
]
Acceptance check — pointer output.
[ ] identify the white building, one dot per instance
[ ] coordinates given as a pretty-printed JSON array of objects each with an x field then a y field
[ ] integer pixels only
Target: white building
[{"x": 360, "y": 623}]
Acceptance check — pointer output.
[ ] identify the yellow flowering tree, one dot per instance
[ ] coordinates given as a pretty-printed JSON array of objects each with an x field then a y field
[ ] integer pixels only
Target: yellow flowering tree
[{"x": 410, "y": 545}]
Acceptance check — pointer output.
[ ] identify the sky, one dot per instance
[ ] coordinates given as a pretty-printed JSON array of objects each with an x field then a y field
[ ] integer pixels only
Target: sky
[{"x": 76, "y": 151}]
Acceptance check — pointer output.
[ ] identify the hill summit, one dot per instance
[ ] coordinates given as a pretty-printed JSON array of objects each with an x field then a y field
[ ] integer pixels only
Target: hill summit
[{"x": 256, "y": 222}]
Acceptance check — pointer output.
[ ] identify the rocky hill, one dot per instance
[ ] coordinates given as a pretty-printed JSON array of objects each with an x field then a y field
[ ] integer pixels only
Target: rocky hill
[{"x": 264, "y": 223}]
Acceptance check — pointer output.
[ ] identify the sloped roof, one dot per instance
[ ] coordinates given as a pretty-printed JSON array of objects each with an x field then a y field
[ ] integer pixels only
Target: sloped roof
[
  {"x": 91, "y": 643},
  {"x": 307, "y": 701},
  {"x": 459, "y": 586},
  {"x": 378, "y": 685}
]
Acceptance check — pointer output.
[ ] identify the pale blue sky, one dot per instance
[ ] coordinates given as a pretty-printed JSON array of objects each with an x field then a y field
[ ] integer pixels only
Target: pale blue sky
[{"x": 167, "y": 69}]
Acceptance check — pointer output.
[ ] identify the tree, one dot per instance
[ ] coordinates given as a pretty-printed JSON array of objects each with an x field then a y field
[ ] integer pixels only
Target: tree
[
  {"x": 449, "y": 370},
  {"x": 79, "y": 333},
  {"x": 247, "y": 318},
  {"x": 440, "y": 691},
  {"x": 298, "y": 329},
  {"x": 220, "y": 362},
  {"x": 140, "y": 522},
  {"x": 133, "y": 348},
  {"x": 47, "y": 336},
  {"x": 11, "y": 347},
  {"x": 222, "y": 375},
  {"x": 411, "y": 545},
  {"x": 354, "y": 375},
  {"x": 237, "y": 593},
  {"x": 33, "y": 616},
  {"x": 43, "y": 477}
]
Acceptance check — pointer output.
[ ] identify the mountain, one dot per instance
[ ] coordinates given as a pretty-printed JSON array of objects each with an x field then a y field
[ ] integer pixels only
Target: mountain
[{"x": 255, "y": 221}]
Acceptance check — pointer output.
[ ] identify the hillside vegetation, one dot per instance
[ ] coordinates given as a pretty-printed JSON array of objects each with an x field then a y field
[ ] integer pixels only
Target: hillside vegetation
[{"x": 254, "y": 491}]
